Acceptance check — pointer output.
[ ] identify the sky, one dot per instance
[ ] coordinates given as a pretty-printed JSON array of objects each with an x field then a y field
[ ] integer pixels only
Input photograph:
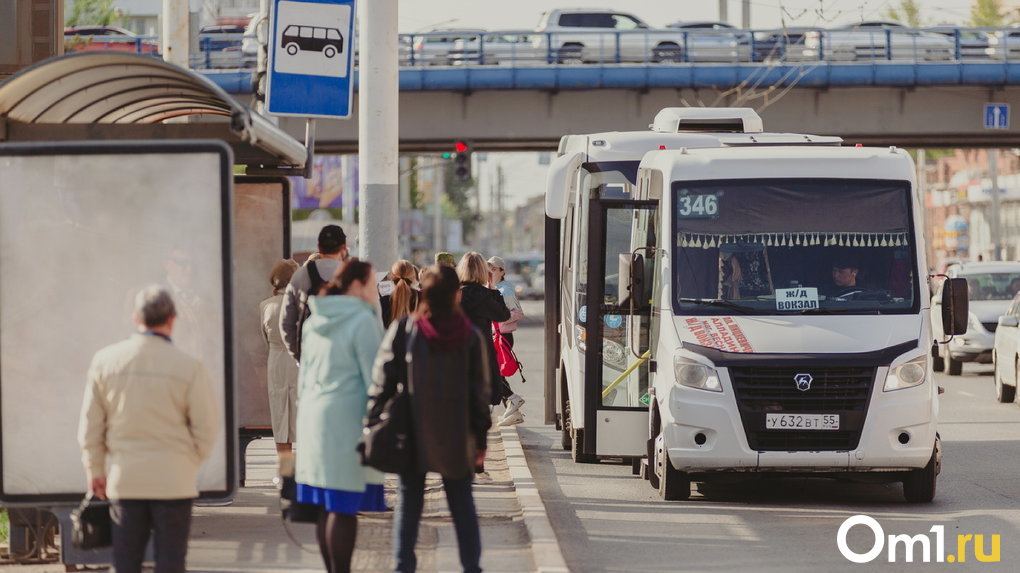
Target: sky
[
  {"x": 423, "y": 15},
  {"x": 524, "y": 176}
]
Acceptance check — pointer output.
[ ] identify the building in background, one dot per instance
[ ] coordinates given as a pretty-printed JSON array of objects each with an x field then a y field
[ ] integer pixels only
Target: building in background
[{"x": 959, "y": 206}]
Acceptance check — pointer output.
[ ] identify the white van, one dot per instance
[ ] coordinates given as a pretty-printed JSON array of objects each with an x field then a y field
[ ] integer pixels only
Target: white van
[{"x": 760, "y": 300}]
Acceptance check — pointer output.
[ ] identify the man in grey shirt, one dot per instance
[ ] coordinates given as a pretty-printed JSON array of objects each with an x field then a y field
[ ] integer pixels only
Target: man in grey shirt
[{"x": 333, "y": 248}]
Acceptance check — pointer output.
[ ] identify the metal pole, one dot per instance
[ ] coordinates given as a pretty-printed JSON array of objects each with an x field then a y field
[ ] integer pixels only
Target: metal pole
[
  {"x": 922, "y": 197},
  {"x": 724, "y": 12},
  {"x": 745, "y": 14},
  {"x": 438, "y": 187},
  {"x": 378, "y": 131},
  {"x": 993, "y": 215},
  {"x": 175, "y": 32}
]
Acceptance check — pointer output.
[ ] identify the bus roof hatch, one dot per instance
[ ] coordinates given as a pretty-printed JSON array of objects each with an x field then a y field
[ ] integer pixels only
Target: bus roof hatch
[{"x": 715, "y": 119}]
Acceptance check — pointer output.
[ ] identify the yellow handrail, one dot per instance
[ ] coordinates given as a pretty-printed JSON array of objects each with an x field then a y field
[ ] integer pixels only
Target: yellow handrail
[{"x": 644, "y": 357}]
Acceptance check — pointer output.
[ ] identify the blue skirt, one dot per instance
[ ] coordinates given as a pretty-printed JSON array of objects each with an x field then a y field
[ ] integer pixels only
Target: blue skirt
[{"x": 342, "y": 501}]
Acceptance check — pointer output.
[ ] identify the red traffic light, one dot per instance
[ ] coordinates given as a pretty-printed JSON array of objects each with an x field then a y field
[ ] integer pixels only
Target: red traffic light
[{"x": 460, "y": 147}]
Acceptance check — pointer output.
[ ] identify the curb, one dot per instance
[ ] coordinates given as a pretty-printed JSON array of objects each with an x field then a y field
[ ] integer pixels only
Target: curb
[{"x": 545, "y": 547}]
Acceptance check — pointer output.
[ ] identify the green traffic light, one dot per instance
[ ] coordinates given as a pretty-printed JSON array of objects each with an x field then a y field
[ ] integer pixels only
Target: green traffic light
[{"x": 447, "y": 155}]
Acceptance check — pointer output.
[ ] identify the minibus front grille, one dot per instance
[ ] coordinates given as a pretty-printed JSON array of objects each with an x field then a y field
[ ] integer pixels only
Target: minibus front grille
[{"x": 761, "y": 390}]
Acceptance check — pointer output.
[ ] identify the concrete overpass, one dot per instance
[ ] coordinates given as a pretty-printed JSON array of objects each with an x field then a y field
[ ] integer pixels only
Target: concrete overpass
[
  {"x": 528, "y": 108},
  {"x": 922, "y": 104}
]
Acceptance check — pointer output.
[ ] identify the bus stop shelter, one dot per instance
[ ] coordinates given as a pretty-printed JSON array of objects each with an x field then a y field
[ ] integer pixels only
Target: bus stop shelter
[{"x": 122, "y": 102}]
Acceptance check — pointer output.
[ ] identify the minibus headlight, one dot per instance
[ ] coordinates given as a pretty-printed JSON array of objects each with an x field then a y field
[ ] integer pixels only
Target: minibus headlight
[
  {"x": 695, "y": 375},
  {"x": 907, "y": 375}
]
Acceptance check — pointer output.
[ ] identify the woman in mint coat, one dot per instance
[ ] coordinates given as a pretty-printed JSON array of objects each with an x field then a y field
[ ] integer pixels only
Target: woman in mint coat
[{"x": 339, "y": 342}]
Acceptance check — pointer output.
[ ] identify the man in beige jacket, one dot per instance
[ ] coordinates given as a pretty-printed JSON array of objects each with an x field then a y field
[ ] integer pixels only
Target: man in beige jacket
[{"x": 148, "y": 421}]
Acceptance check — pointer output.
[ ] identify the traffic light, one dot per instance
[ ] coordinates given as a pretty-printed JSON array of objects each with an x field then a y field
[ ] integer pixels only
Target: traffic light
[{"x": 462, "y": 161}]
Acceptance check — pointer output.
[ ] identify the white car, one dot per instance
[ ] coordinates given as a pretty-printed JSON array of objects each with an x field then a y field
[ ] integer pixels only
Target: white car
[
  {"x": 497, "y": 47},
  {"x": 578, "y": 35},
  {"x": 437, "y": 46},
  {"x": 1007, "y": 352},
  {"x": 991, "y": 287}
]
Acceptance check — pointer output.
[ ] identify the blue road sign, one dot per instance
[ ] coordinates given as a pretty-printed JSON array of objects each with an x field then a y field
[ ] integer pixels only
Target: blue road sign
[
  {"x": 311, "y": 71},
  {"x": 996, "y": 116},
  {"x": 613, "y": 320}
]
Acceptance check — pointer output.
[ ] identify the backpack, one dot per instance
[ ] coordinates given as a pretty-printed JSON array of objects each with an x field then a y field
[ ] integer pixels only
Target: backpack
[
  {"x": 505, "y": 356},
  {"x": 303, "y": 311}
]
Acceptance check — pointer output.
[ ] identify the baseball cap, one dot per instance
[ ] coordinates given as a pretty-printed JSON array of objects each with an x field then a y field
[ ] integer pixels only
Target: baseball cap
[
  {"x": 331, "y": 238},
  {"x": 497, "y": 262}
]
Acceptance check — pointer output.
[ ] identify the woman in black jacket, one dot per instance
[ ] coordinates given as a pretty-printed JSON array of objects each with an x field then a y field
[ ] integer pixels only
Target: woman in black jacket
[
  {"x": 448, "y": 387},
  {"x": 483, "y": 306}
]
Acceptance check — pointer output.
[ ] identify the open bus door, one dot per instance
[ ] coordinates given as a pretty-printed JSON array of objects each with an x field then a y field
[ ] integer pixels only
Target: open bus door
[{"x": 617, "y": 311}]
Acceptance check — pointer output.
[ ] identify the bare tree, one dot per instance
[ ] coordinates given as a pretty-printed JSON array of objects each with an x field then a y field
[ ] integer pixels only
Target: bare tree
[
  {"x": 986, "y": 13},
  {"x": 908, "y": 12}
]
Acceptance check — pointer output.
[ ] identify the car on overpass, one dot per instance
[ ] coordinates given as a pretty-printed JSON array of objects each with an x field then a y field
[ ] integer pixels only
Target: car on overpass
[
  {"x": 570, "y": 36},
  {"x": 497, "y": 47},
  {"x": 877, "y": 40},
  {"x": 106, "y": 39},
  {"x": 973, "y": 44},
  {"x": 435, "y": 47},
  {"x": 992, "y": 285},
  {"x": 714, "y": 41}
]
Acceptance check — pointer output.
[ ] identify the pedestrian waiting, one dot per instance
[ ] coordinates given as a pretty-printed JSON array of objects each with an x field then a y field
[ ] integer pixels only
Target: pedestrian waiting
[
  {"x": 497, "y": 273},
  {"x": 282, "y": 371},
  {"x": 403, "y": 297},
  {"x": 340, "y": 341},
  {"x": 148, "y": 420},
  {"x": 483, "y": 306},
  {"x": 448, "y": 381},
  {"x": 306, "y": 282}
]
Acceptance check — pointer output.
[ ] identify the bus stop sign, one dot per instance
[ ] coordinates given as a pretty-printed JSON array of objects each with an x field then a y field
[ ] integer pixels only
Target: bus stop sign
[{"x": 311, "y": 70}]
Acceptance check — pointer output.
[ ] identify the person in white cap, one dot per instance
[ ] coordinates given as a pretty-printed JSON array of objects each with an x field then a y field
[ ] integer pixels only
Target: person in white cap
[{"x": 497, "y": 274}]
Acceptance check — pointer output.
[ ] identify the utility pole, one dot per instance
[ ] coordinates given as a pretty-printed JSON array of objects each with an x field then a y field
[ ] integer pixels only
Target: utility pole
[
  {"x": 993, "y": 216},
  {"x": 175, "y": 32},
  {"x": 378, "y": 135},
  {"x": 724, "y": 11},
  {"x": 745, "y": 14},
  {"x": 438, "y": 187}
]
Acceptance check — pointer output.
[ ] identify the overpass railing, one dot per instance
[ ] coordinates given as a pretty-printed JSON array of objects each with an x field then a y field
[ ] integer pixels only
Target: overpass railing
[{"x": 524, "y": 48}]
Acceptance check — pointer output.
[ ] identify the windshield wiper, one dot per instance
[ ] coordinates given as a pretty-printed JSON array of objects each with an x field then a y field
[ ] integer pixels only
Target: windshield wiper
[
  {"x": 840, "y": 311},
  {"x": 724, "y": 304}
]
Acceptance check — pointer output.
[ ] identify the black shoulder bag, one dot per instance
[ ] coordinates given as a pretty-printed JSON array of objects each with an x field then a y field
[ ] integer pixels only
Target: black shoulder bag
[
  {"x": 91, "y": 526},
  {"x": 387, "y": 442}
]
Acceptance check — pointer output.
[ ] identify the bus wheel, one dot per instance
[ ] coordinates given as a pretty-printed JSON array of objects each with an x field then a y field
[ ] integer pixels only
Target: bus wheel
[
  {"x": 651, "y": 471},
  {"x": 577, "y": 453},
  {"x": 293, "y": 49},
  {"x": 329, "y": 51},
  {"x": 565, "y": 438},
  {"x": 938, "y": 364},
  {"x": 954, "y": 367},
  {"x": 919, "y": 485},
  {"x": 674, "y": 485}
]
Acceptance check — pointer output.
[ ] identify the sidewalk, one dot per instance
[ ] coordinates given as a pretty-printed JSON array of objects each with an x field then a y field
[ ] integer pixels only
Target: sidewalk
[{"x": 249, "y": 536}]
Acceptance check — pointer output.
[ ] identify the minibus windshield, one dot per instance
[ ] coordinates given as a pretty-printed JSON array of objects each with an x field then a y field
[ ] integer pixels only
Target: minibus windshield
[{"x": 793, "y": 246}]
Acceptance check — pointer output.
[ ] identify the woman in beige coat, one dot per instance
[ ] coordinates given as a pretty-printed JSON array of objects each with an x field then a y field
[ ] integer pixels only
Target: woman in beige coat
[{"x": 282, "y": 371}]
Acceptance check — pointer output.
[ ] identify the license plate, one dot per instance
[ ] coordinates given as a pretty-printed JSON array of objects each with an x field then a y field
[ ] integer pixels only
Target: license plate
[{"x": 801, "y": 421}]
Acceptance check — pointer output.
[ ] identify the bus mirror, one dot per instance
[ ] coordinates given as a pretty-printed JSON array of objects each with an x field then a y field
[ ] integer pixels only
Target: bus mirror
[
  {"x": 955, "y": 306},
  {"x": 632, "y": 280},
  {"x": 561, "y": 183}
]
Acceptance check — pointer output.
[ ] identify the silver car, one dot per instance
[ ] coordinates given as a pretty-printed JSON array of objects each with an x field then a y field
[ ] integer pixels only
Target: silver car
[
  {"x": 878, "y": 40},
  {"x": 991, "y": 287}
]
